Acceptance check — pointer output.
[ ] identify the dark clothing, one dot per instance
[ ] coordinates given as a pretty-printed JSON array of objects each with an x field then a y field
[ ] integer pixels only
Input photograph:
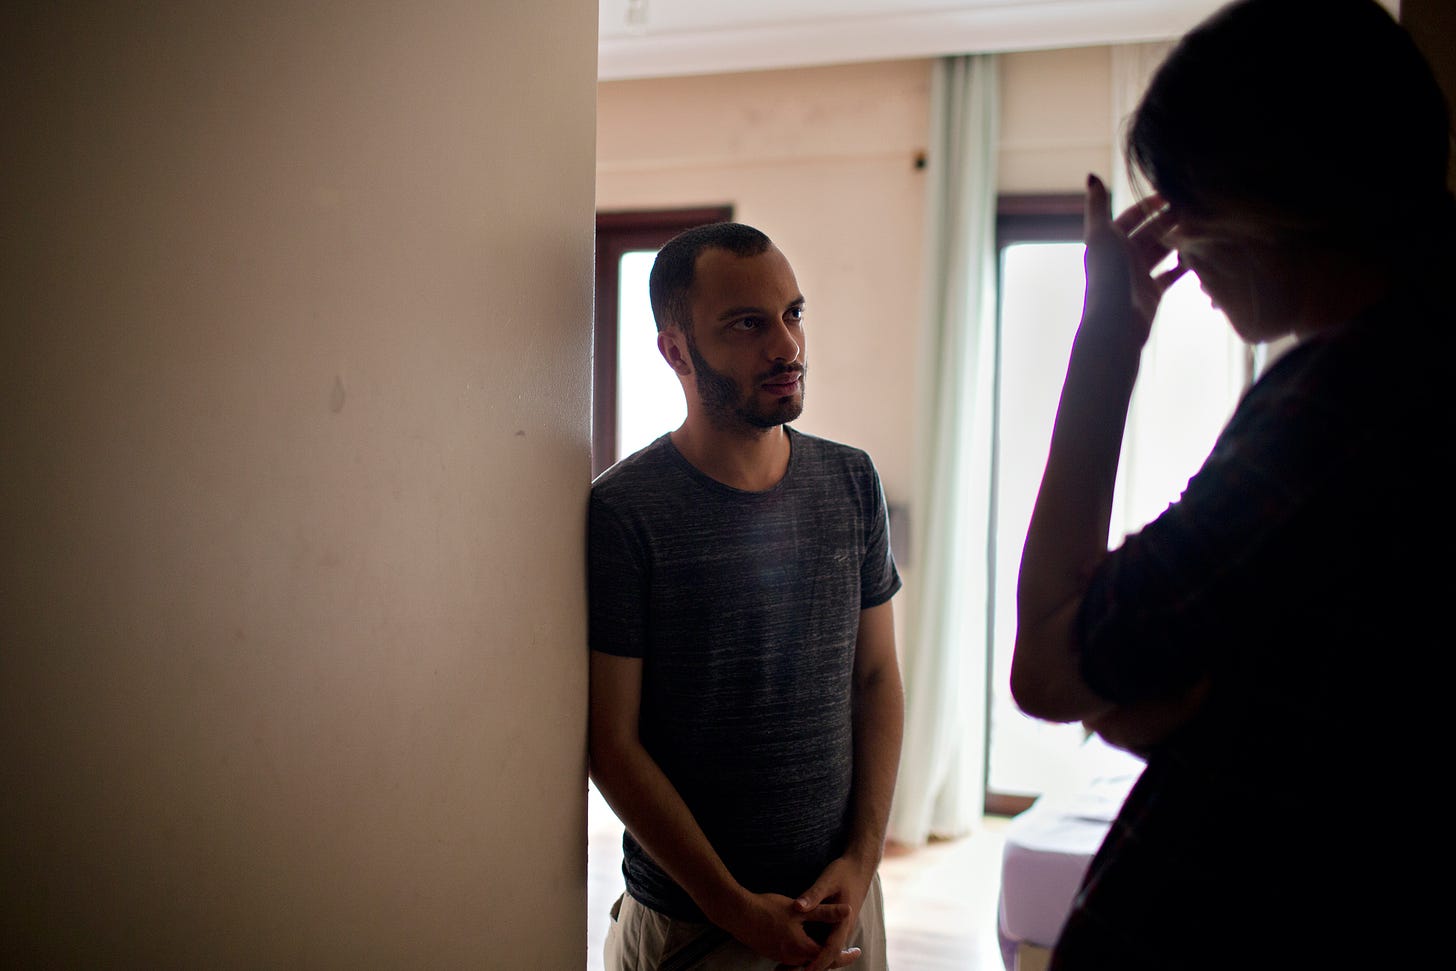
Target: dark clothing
[
  {"x": 1304, "y": 573},
  {"x": 744, "y": 607}
]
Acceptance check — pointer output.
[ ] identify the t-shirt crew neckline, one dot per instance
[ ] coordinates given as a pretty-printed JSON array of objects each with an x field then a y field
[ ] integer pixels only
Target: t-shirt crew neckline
[{"x": 708, "y": 482}]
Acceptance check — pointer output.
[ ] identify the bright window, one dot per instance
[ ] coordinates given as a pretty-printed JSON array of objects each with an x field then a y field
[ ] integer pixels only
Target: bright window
[
  {"x": 1041, "y": 302},
  {"x": 1192, "y": 372},
  {"x": 649, "y": 397}
]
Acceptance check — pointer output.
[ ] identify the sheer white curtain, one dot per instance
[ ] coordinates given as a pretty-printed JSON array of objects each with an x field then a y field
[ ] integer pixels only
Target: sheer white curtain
[{"x": 940, "y": 790}]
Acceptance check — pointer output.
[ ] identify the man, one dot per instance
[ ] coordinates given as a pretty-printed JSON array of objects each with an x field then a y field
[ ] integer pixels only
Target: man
[{"x": 746, "y": 706}]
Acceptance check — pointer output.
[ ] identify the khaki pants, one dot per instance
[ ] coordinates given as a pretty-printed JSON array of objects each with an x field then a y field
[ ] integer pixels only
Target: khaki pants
[{"x": 641, "y": 939}]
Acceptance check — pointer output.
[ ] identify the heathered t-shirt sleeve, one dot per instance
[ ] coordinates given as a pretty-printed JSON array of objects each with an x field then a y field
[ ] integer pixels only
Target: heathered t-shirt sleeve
[
  {"x": 879, "y": 580},
  {"x": 616, "y": 585}
]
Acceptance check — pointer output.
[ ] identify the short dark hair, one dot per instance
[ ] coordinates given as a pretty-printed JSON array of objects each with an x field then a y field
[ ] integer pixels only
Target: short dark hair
[
  {"x": 1318, "y": 117},
  {"x": 672, "y": 275}
]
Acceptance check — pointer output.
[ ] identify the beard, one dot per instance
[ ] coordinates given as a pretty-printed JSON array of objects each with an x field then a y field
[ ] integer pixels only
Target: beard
[{"x": 727, "y": 405}]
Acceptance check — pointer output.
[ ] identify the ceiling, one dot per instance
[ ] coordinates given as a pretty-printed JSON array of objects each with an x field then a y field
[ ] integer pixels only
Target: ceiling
[{"x": 655, "y": 38}]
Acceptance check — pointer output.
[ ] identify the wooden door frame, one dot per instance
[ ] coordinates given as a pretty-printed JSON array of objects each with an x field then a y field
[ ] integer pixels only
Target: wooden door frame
[{"x": 619, "y": 233}]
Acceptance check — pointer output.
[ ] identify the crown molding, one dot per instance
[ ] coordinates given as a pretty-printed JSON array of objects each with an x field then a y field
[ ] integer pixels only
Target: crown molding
[{"x": 893, "y": 34}]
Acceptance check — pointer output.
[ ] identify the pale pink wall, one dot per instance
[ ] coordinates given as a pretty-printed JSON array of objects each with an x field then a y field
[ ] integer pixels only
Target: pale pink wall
[
  {"x": 294, "y": 434},
  {"x": 1056, "y": 119}
]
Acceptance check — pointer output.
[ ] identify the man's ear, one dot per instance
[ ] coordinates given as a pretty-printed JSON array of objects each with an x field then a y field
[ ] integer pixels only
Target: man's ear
[{"x": 672, "y": 344}]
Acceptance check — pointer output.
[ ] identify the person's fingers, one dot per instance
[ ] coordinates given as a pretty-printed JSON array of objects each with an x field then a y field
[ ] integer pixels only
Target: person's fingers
[
  {"x": 816, "y": 894},
  {"x": 800, "y": 957},
  {"x": 1139, "y": 214},
  {"x": 827, "y": 913},
  {"x": 1149, "y": 240},
  {"x": 847, "y": 957},
  {"x": 833, "y": 950},
  {"x": 1143, "y": 226},
  {"x": 1097, "y": 208},
  {"x": 1166, "y": 279}
]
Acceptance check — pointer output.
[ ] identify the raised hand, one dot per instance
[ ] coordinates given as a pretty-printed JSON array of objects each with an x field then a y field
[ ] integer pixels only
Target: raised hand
[{"x": 1121, "y": 255}]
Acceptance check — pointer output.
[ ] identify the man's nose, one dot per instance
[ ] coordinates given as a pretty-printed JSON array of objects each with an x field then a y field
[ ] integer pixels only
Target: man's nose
[{"x": 782, "y": 346}]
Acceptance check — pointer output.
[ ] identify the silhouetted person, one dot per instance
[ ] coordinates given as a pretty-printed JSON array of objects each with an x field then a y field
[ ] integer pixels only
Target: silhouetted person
[{"x": 1275, "y": 644}]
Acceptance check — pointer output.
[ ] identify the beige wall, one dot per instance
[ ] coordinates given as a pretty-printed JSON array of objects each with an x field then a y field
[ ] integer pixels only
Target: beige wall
[
  {"x": 294, "y": 433},
  {"x": 1056, "y": 119},
  {"x": 822, "y": 159}
]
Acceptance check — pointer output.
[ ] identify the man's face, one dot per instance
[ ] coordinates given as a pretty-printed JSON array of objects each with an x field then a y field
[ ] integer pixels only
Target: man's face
[{"x": 746, "y": 344}]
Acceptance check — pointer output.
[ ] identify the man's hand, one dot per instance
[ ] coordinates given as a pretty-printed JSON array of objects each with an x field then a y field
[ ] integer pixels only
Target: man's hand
[
  {"x": 774, "y": 926},
  {"x": 844, "y": 883}
]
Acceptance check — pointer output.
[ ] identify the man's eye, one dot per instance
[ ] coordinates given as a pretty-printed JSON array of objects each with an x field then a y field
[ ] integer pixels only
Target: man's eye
[
  {"x": 745, "y": 323},
  {"x": 796, "y": 313}
]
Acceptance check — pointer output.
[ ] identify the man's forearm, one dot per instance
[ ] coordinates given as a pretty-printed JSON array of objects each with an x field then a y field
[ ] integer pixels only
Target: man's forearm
[
  {"x": 879, "y": 717},
  {"x": 645, "y": 799},
  {"x": 878, "y": 723},
  {"x": 654, "y": 813}
]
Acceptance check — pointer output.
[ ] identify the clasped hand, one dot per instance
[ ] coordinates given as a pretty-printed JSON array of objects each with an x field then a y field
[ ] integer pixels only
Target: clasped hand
[{"x": 810, "y": 932}]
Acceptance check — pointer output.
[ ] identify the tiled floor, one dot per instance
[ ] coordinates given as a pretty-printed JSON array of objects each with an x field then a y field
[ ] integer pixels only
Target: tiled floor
[{"x": 940, "y": 900}]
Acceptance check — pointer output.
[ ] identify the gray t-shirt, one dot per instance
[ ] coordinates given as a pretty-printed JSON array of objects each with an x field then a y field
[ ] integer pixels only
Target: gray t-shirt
[{"x": 744, "y": 607}]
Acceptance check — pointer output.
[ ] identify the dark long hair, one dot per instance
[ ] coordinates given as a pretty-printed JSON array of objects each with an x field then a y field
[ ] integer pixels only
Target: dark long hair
[{"x": 1313, "y": 118}]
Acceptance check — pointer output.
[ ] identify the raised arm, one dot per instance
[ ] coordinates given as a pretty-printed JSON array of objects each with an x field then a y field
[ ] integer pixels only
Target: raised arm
[
  {"x": 647, "y": 802},
  {"x": 1067, "y": 537}
]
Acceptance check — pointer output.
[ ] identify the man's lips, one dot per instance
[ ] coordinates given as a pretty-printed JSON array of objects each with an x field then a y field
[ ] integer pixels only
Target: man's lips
[{"x": 783, "y": 384}]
